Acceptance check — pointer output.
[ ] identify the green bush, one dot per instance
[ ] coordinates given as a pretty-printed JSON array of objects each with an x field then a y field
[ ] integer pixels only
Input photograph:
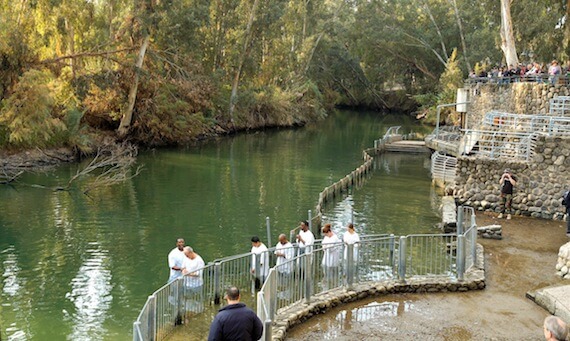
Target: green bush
[{"x": 28, "y": 113}]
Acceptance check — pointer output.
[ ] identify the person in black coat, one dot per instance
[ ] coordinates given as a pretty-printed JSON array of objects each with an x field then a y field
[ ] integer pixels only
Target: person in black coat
[
  {"x": 235, "y": 322},
  {"x": 566, "y": 202}
]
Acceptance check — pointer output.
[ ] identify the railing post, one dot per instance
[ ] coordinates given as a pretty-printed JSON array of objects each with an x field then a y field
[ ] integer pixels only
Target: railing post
[
  {"x": 459, "y": 220},
  {"x": 257, "y": 278},
  {"x": 391, "y": 255},
  {"x": 460, "y": 257},
  {"x": 402, "y": 259},
  {"x": 308, "y": 279},
  {"x": 268, "y": 330},
  {"x": 268, "y": 227},
  {"x": 136, "y": 334},
  {"x": 180, "y": 298},
  {"x": 349, "y": 266},
  {"x": 152, "y": 318},
  {"x": 310, "y": 214},
  {"x": 217, "y": 275},
  {"x": 273, "y": 295},
  {"x": 474, "y": 245}
]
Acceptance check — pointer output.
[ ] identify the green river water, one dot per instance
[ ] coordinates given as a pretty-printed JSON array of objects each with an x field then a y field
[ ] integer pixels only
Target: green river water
[{"x": 80, "y": 268}]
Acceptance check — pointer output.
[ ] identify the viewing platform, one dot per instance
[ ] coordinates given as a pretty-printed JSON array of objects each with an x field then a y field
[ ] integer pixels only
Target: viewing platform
[{"x": 407, "y": 146}]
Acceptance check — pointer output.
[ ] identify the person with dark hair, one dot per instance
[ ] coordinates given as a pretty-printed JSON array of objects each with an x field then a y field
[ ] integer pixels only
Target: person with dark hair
[
  {"x": 175, "y": 260},
  {"x": 351, "y": 237},
  {"x": 555, "y": 329},
  {"x": 235, "y": 322},
  {"x": 331, "y": 257},
  {"x": 259, "y": 261},
  {"x": 566, "y": 203},
  {"x": 305, "y": 238},
  {"x": 508, "y": 181}
]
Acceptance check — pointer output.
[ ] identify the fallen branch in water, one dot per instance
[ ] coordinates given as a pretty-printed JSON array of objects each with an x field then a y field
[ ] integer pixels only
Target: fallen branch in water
[{"x": 112, "y": 164}]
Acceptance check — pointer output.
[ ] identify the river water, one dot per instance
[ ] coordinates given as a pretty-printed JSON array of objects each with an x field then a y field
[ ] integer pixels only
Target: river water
[{"x": 80, "y": 267}]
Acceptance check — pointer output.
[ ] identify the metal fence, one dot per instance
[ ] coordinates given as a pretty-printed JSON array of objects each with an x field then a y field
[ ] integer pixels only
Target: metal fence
[
  {"x": 443, "y": 167},
  {"x": 531, "y": 78},
  {"x": 499, "y": 144},
  {"x": 548, "y": 125},
  {"x": 559, "y": 106},
  {"x": 342, "y": 265}
]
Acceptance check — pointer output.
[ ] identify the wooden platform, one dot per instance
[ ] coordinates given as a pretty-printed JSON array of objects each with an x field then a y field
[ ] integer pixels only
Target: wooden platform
[{"x": 407, "y": 146}]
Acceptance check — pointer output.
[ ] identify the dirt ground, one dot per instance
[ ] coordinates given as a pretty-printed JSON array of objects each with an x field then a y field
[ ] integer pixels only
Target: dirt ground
[{"x": 524, "y": 260}]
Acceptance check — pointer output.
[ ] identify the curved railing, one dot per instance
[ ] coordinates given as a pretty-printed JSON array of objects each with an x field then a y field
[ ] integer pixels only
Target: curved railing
[
  {"x": 301, "y": 279},
  {"x": 175, "y": 302}
]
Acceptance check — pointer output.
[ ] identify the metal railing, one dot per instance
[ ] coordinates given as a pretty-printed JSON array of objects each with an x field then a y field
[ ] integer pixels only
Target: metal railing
[
  {"x": 498, "y": 144},
  {"x": 559, "y": 106},
  {"x": 300, "y": 279},
  {"x": 549, "y": 125},
  {"x": 443, "y": 167},
  {"x": 531, "y": 78},
  {"x": 392, "y": 131}
]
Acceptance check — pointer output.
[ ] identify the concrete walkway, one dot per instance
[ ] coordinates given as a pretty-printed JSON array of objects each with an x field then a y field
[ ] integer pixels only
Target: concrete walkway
[{"x": 555, "y": 299}]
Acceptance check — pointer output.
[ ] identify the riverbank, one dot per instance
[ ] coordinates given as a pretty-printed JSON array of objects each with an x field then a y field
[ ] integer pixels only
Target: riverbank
[{"x": 500, "y": 312}]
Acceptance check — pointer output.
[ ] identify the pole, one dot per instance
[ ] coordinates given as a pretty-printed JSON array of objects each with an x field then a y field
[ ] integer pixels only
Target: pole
[
  {"x": 402, "y": 259},
  {"x": 268, "y": 227},
  {"x": 349, "y": 266},
  {"x": 460, "y": 257}
]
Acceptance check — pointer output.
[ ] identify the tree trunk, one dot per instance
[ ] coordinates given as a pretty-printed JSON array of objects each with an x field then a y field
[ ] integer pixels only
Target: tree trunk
[
  {"x": 567, "y": 26},
  {"x": 461, "y": 35},
  {"x": 128, "y": 115},
  {"x": 245, "y": 52},
  {"x": 507, "y": 36}
]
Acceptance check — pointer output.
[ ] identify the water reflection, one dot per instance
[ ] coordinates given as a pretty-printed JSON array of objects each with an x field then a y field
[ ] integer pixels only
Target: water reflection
[
  {"x": 82, "y": 267},
  {"x": 91, "y": 295},
  {"x": 13, "y": 297}
]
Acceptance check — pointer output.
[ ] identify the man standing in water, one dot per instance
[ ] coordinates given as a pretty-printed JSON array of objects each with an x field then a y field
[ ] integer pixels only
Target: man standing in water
[
  {"x": 259, "y": 261},
  {"x": 175, "y": 259},
  {"x": 508, "y": 182},
  {"x": 305, "y": 238}
]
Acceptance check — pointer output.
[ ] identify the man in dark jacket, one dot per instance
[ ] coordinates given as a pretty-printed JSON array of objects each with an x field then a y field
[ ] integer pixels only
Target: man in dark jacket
[
  {"x": 235, "y": 322},
  {"x": 566, "y": 202}
]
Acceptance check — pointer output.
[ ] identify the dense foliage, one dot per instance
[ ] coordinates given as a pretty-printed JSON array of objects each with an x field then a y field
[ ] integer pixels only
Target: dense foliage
[{"x": 189, "y": 68}]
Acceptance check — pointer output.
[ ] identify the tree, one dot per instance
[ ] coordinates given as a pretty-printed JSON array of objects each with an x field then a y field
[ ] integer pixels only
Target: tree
[{"x": 507, "y": 36}]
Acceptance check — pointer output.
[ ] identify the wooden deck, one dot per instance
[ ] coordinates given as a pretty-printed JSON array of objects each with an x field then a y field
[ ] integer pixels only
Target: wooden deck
[{"x": 407, "y": 146}]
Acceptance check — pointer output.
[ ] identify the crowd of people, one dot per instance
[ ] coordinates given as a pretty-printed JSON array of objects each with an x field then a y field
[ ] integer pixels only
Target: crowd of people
[{"x": 523, "y": 72}]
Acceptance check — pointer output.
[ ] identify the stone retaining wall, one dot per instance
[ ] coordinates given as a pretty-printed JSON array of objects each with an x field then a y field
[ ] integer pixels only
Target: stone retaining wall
[
  {"x": 290, "y": 316},
  {"x": 518, "y": 98},
  {"x": 540, "y": 183},
  {"x": 563, "y": 264},
  {"x": 490, "y": 232}
]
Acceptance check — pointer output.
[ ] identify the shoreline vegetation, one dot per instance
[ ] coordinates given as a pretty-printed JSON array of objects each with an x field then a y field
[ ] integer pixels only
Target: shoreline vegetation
[{"x": 78, "y": 75}]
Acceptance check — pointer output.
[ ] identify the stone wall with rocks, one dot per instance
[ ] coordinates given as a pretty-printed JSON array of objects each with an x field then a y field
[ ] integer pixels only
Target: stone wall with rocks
[
  {"x": 563, "y": 264},
  {"x": 490, "y": 232},
  {"x": 541, "y": 182},
  {"x": 517, "y": 98}
]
